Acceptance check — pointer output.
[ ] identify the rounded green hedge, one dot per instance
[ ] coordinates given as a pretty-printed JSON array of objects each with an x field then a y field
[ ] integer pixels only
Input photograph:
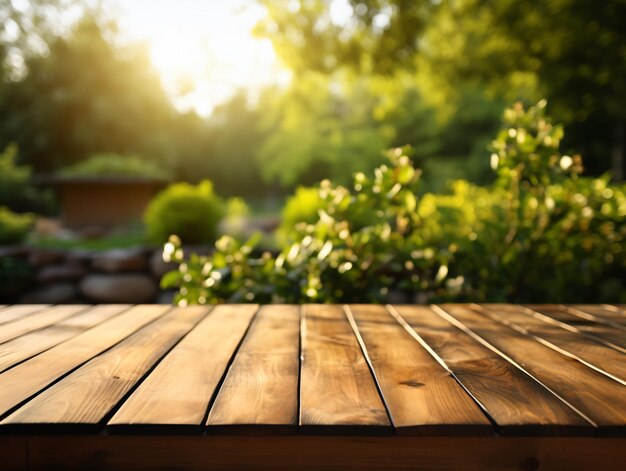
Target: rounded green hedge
[{"x": 192, "y": 212}]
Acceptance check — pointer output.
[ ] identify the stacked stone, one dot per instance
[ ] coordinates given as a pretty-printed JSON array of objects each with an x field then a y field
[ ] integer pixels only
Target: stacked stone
[{"x": 128, "y": 275}]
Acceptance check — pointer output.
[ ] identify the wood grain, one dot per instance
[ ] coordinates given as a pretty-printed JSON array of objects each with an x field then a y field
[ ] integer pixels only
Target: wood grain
[
  {"x": 38, "y": 320},
  {"x": 28, "y": 378},
  {"x": 11, "y": 313},
  {"x": 517, "y": 403},
  {"x": 28, "y": 345},
  {"x": 87, "y": 395},
  {"x": 260, "y": 392},
  {"x": 441, "y": 370},
  {"x": 337, "y": 392},
  {"x": 593, "y": 353},
  {"x": 601, "y": 311},
  {"x": 588, "y": 327},
  {"x": 177, "y": 393},
  {"x": 600, "y": 398},
  {"x": 420, "y": 393}
]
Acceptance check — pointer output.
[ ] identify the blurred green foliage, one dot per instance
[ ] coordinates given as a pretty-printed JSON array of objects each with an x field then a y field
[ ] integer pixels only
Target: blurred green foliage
[
  {"x": 236, "y": 217},
  {"x": 540, "y": 232},
  {"x": 569, "y": 51},
  {"x": 17, "y": 191},
  {"x": 192, "y": 212},
  {"x": 384, "y": 73},
  {"x": 84, "y": 96},
  {"x": 300, "y": 208},
  {"x": 15, "y": 274},
  {"x": 14, "y": 227},
  {"x": 115, "y": 165}
]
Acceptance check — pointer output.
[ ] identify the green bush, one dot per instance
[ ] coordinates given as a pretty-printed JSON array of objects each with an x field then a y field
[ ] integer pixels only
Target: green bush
[
  {"x": 14, "y": 227},
  {"x": 116, "y": 165},
  {"x": 301, "y": 208},
  {"x": 363, "y": 244},
  {"x": 16, "y": 189},
  {"x": 539, "y": 233},
  {"x": 192, "y": 212},
  {"x": 545, "y": 234}
]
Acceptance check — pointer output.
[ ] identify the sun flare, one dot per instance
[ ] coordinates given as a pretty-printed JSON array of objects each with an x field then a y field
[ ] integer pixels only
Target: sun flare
[{"x": 204, "y": 50}]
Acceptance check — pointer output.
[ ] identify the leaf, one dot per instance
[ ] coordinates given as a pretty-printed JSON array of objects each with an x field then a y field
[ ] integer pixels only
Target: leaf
[{"x": 171, "y": 279}]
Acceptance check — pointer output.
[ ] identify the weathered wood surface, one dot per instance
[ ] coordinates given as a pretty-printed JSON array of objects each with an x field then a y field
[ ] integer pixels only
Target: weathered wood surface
[
  {"x": 27, "y": 346},
  {"x": 40, "y": 319},
  {"x": 517, "y": 402},
  {"x": 589, "y": 327},
  {"x": 600, "y": 399},
  {"x": 463, "y": 377},
  {"x": 11, "y": 313},
  {"x": 260, "y": 392},
  {"x": 177, "y": 393},
  {"x": 337, "y": 388},
  {"x": 87, "y": 395},
  {"x": 25, "y": 380},
  {"x": 419, "y": 390}
]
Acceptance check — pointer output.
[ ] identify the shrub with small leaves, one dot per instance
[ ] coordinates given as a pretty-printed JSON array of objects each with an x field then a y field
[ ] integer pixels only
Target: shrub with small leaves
[
  {"x": 526, "y": 150},
  {"x": 540, "y": 233},
  {"x": 363, "y": 243}
]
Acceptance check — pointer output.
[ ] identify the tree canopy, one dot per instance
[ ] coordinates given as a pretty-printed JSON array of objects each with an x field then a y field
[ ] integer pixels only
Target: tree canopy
[
  {"x": 569, "y": 51},
  {"x": 366, "y": 75}
]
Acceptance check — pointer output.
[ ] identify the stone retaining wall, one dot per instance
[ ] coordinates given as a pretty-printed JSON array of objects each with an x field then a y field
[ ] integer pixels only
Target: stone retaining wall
[{"x": 79, "y": 276}]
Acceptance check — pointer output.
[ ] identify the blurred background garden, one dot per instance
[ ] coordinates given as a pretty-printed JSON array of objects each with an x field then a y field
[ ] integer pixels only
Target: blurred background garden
[{"x": 312, "y": 151}]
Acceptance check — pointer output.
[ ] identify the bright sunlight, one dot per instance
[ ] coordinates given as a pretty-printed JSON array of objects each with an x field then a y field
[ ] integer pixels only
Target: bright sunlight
[{"x": 204, "y": 50}]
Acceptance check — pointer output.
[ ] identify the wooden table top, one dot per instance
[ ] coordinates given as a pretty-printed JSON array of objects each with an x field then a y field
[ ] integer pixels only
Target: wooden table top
[{"x": 444, "y": 370}]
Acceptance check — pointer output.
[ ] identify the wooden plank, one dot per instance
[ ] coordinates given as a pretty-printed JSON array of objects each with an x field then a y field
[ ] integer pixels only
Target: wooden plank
[
  {"x": 260, "y": 392},
  {"x": 307, "y": 453},
  {"x": 11, "y": 313},
  {"x": 595, "y": 318},
  {"x": 38, "y": 320},
  {"x": 421, "y": 394},
  {"x": 590, "y": 328},
  {"x": 28, "y": 378},
  {"x": 83, "y": 399},
  {"x": 177, "y": 393},
  {"x": 601, "y": 399},
  {"x": 337, "y": 392},
  {"x": 588, "y": 351},
  {"x": 28, "y": 345},
  {"x": 517, "y": 403},
  {"x": 600, "y": 312}
]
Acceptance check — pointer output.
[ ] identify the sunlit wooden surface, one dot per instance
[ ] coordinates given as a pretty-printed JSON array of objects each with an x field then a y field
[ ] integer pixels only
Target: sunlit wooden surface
[{"x": 313, "y": 386}]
